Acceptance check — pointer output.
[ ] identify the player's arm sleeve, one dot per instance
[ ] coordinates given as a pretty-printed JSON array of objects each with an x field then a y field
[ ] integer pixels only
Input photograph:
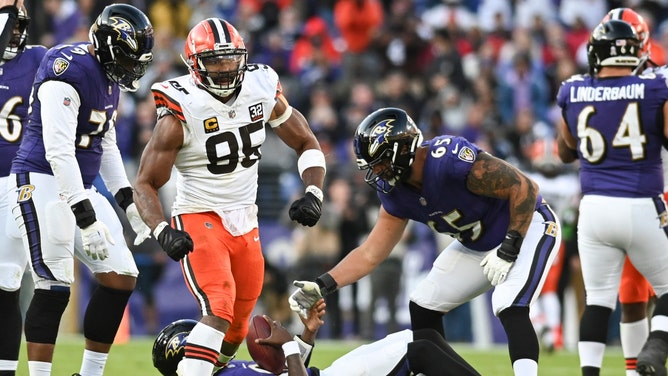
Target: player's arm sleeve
[
  {"x": 112, "y": 169},
  {"x": 59, "y": 127},
  {"x": 9, "y": 15}
]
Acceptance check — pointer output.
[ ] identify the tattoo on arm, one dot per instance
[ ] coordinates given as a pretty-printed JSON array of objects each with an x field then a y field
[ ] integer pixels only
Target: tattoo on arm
[{"x": 496, "y": 178}]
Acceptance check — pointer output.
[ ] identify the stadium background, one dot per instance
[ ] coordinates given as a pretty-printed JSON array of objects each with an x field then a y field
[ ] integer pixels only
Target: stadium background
[{"x": 485, "y": 69}]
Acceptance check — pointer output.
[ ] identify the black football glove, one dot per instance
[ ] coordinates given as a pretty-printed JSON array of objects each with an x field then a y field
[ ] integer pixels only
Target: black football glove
[
  {"x": 176, "y": 243},
  {"x": 306, "y": 210}
]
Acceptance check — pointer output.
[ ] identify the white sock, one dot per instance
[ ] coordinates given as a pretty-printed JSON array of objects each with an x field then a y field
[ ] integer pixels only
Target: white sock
[
  {"x": 633, "y": 336},
  {"x": 206, "y": 338},
  {"x": 552, "y": 310},
  {"x": 525, "y": 367},
  {"x": 39, "y": 368},
  {"x": 93, "y": 363},
  {"x": 591, "y": 353},
  {"x": 8, "y": 365}
]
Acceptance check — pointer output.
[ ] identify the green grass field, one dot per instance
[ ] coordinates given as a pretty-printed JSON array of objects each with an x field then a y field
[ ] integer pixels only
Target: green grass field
[{"x": 134, "y": 359}]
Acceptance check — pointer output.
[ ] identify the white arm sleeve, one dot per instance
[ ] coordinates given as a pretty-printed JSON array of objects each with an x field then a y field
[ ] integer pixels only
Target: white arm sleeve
[
  {"x": 112, "y": 169},
  {"x": 59, "y": 128}
]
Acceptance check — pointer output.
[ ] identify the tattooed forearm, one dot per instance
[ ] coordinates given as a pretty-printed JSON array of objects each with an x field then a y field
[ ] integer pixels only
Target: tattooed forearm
[{"x": 496, "y": 178}]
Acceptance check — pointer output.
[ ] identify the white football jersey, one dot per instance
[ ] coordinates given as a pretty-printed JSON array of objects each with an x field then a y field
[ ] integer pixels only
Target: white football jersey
[
  {"x": 217, "y": 167},
  {"x": 561, "y": 192}
]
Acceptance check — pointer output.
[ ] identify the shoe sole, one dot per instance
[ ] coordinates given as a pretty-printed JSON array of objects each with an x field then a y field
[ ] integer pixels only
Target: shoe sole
[{"x": 649, "y": 370}]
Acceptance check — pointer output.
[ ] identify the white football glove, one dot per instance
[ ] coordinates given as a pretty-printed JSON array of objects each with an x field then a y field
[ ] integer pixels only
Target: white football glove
[
  {"x": 495, "y": 268},
  {"x": 95, "y": 238},
  {"x": 143, "y": 232},
  {"x": 305, "y": 297}
]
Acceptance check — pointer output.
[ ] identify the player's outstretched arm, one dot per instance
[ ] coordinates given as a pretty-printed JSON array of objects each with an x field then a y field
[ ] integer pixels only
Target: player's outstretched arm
[
  {"x": 384, "y": 236},
  {"x": 313, "y": 321}
]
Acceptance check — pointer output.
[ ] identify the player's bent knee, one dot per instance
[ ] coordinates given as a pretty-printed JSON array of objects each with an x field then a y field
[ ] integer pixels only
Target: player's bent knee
[
  {"x": 426, "y": 294},
  {"x": 104, "y": 313},
  {"x": 44, "y": 314}
]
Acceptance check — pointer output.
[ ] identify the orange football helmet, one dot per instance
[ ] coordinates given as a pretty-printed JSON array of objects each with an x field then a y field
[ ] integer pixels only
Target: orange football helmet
[
  {"x": 216, "y": 56},
  {"x": 544, "y": 156},
  {"x": 638, "y": 23}
]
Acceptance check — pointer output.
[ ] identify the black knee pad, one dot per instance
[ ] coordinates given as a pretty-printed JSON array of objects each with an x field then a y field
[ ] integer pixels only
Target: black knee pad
[
  {"x": 104, "y": 313},
  {"x": 594, "y": 324},
  {"x": 44, "y": 314},
  {"x": 522, "y": 339},
  {"x": 11, "y": 326},
  {"x": 423, "y": 318}
]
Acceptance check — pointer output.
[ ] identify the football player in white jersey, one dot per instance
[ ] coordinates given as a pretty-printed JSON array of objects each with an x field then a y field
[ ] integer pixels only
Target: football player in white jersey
[
  {"x": 211, "y": 126},
  {"x": 561, "y": 188}
]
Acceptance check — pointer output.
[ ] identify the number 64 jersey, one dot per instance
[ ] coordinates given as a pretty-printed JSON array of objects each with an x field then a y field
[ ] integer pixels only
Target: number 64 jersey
[
  {"x": 618, "y": 124},
  {"x": 218, "y": 162}
]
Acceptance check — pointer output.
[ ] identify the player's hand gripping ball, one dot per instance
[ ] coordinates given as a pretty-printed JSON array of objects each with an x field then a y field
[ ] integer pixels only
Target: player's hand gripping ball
[{"x": 270, "y": 358}]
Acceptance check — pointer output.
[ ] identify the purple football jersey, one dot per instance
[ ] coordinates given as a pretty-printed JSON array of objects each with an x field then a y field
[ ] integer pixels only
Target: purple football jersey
[
  {"x": 445, "y": 203},
  {"x": 15, "y": 84},
  {"x": 618, "y": 124},
  {"x": 99, "y": 100},
  {"x": 247, "y": 368}
]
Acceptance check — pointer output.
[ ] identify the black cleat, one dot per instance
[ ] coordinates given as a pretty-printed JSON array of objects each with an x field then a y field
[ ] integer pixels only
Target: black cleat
[{"x": 652, "y": 358}]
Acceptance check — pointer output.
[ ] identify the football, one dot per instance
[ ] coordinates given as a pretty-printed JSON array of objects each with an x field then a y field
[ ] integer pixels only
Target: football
[{"x": 270, "y": 358}]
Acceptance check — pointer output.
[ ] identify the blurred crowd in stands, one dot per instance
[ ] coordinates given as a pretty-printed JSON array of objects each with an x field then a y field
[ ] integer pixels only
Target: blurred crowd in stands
[{"x": 485, "y": 69}]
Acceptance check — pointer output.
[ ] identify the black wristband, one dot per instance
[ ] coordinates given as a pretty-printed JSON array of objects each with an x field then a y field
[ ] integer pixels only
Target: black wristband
[
  {"x": 510, "y": 247},
  {"x": 84, "y": 213},
  {"x": 326, "y": 283},
  {"x": 124, "y": 198}
]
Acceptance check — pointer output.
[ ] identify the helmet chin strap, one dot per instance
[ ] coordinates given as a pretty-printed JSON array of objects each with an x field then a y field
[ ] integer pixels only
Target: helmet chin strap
[{"x": 134, "y": 86}]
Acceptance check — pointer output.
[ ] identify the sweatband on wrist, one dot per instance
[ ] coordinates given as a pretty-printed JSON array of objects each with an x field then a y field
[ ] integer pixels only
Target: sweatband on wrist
[
  {"x": 510, "y": 247},
  {"x": 124, "y": 198},
  {"x": 84, "y": 213},
  {"x": 290, "y": 348},
  {"x": 311, "y": 158},
  {"x": 317, "y": 192},
  {"x": 158, "y": 229},
  {"x": 281, "y": 119},
  {"x": 326, "y": 283}
]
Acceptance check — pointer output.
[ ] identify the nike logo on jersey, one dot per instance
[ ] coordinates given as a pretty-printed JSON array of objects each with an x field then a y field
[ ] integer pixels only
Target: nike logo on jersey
[
  {"x": 68, "y": 57},
  {"x": 456, "y": 149},
  {"x": 256, "y": 238}
]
